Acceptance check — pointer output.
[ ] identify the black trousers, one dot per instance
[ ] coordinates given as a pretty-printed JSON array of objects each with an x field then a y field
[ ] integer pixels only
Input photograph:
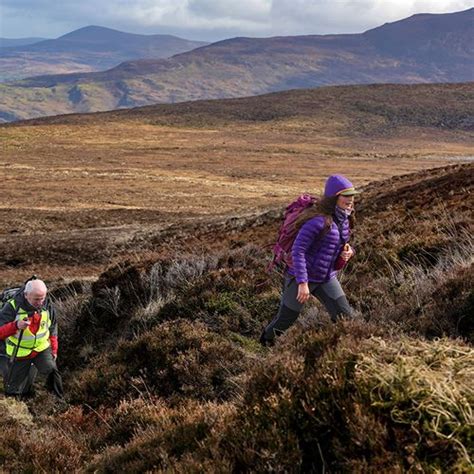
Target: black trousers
[
  {"x": 330, "y": 294},
  {"x": 19, "y": 378}
]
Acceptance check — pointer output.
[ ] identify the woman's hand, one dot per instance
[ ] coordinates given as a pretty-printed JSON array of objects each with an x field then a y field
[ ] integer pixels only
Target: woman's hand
[
  {"x": 303, "y": 293},
  {"x": 347, "y": 252}
]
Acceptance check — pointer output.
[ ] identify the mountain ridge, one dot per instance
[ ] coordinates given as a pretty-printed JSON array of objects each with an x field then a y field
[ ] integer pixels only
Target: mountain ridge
[
  {"x": 15, "y": 42},
  {"x": 88, "y": 49},
  {"x": 251, "y": 66}
]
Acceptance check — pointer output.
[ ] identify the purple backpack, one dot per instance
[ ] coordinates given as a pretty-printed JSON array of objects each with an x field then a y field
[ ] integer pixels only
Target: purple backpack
[{"x": 288, "y": 231}]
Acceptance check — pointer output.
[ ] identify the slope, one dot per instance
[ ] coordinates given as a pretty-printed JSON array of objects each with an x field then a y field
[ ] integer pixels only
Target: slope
[{"x": 163, "y": 372}]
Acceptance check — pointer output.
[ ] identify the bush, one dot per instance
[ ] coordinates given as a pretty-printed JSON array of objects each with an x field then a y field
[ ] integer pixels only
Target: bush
[
  {"x": 177, "y": 360},
  {"x": 228, "y": 292},
  {"x": 170, "y": 437},
  {"x": 345, "y": 400},
  {"x": 28, "y": 447},
  {"x": 431, "y": 299}
]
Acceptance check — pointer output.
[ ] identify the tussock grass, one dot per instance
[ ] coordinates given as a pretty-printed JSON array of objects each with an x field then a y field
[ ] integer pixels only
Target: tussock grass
[
  {"x": 344, "y": 399},
  {"x": 427, "y": 386},
  {"x": 15, "y": 412}
]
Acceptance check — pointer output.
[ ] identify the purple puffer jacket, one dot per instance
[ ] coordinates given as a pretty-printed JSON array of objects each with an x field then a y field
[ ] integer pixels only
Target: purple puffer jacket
[{"x": 314, "y": 257}]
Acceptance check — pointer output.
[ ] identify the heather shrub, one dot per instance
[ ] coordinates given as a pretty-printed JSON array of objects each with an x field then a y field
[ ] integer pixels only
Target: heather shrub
[
  {"x": 82, "y": 423},
  {"x": 229, "y": 292},
  {"x": 176, "y": 359},
  {"x": 430, "y": 296},
  {"x": 346, "y": 400},
  {"x": 225, "y": 303},
  {"x": 176, "y": 380},
  {"x": 114, "y": 297},
  {"x": 51, "y": 450},
  {"x": 171, "y": 435},
  {"x": 133, "y": 415},
  {"x": 29, "y": 447}
]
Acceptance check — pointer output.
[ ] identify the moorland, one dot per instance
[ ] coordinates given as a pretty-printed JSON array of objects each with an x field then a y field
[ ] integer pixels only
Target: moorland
[
  {"x": 151, "y": 228},
  {"x": 80, "y": 191}
]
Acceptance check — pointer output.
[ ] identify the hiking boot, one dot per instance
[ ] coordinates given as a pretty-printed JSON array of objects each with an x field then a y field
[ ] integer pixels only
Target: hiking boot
[
  {"x": 266, "y": 342},
  {"x": 28, "y": 395}
]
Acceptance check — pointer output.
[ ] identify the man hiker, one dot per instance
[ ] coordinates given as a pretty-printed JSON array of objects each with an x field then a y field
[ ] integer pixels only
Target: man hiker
[{"x": 29, "y": 341}]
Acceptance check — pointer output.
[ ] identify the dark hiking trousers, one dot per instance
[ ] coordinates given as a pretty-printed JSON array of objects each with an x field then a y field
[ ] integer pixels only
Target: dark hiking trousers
[
  {"x": 19, "y": 380},
  {"x": 330, "y": 294}
]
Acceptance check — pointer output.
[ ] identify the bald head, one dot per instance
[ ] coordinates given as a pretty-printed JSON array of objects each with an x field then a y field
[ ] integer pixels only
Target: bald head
[{"x": 35, "y": 292}]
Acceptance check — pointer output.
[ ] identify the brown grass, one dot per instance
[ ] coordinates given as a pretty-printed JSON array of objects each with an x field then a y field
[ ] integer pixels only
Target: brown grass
[{"x": 97, "y": 186}]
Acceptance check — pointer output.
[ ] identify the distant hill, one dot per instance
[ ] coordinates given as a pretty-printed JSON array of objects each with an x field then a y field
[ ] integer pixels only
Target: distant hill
[
  {"x": 92, "y": 48},
  {"x": 363, "y": 110},
  {"x": 442, "y": 39},
  {"x": 11, "y": 43},
  {"x": 422, "y": 48}
]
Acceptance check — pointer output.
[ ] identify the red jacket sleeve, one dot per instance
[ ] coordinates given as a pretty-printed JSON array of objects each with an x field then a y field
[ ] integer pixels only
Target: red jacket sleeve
[
  {"x": 54, "y": 344},
  {"x": 8, "y": 330},
  {"x": 340, "y": 263}
]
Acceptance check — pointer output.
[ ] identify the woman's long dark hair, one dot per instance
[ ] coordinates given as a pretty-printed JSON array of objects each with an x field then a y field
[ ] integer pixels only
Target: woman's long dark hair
[{"x": 322, "y": 207}]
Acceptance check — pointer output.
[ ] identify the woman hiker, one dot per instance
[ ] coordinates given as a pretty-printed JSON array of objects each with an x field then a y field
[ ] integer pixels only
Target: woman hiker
[{"x": 319, "y": 250}]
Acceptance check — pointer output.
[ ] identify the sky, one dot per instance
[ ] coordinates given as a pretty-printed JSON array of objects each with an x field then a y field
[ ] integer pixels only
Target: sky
[{"x": 211, "y": 20}]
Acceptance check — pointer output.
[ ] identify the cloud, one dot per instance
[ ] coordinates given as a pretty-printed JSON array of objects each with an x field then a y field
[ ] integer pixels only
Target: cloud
[
  {"x": 199, "y": 14},
  {"x": 212, "y": 19},
  {"x": 351, "y": 16}
]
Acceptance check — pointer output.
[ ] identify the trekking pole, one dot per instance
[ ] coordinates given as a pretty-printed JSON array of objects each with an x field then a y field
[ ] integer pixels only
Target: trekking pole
[{"x": 12, "y": 361}]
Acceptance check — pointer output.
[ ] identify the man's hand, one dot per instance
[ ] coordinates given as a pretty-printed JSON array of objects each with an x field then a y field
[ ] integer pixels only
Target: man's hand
[
  {"x": 22, "y": 324},
  {"x": 303, "y": 293}
]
